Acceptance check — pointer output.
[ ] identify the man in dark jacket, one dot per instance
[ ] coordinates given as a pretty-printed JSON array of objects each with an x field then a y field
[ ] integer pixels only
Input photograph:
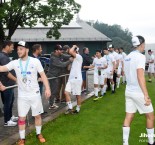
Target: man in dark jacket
[
  {"x": 87, "y": 60},
  {"x": 7, "y": 79},
  {"x": 55, "y": 70}
]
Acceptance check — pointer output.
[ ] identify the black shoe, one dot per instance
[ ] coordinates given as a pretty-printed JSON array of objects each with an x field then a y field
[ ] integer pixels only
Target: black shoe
[
  {"x": 113, "y": 92},
  {"x": 57, "y": 101},
  {"x": 149, "y": 81},
  {"x": 69, "y": 111},
  {"x": 75, "y": 112}
]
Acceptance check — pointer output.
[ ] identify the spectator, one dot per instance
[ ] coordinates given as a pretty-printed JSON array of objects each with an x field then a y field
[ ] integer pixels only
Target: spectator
[
  {"x": 37, "y": 50},
  {"x": 7, "y": 79},
  {"x": 55, "y": 68},
  {"x": 64, "y": 57},
  {"x": 87, "y": 60}
]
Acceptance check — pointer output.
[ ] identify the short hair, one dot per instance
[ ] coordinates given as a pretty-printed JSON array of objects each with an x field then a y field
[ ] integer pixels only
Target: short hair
[
  {"x": 121, "y": 48},
  {"x": 84, "y": 49},
  {"x": 65, "y": 47},
  {"x": 98, "y": 50},
  {"x": 58, "y": 47},
  {"x": 149, "y": 50},
  {"x": 7, "y": 43},
  {"x": 35, "y": 47}
]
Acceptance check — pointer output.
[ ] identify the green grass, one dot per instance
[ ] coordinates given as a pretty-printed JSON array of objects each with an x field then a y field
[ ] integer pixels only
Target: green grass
[{"x": 98, "y": 123}]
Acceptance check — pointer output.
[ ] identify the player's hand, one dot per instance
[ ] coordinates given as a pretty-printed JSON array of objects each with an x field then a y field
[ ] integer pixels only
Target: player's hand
[
  {"x": 147, "y": 100},
  {"x": 99, "y": 68},
  {"x": 2, "y": 88},
  {"x": 84, "y": 66},
  {"x": 47, "y": 93},
  {"x": 71, "y": 59}
]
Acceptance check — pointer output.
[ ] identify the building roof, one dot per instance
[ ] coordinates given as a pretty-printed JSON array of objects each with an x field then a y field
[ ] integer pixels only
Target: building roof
[{"x": 77, "y": 31}]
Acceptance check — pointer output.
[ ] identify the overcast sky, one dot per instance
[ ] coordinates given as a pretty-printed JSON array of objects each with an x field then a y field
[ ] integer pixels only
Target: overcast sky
[{"x": 136, "y": 15}]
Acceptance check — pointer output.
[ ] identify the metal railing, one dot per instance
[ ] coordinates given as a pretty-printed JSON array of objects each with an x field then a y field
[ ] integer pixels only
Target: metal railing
[{"x": 65, "y": 75}]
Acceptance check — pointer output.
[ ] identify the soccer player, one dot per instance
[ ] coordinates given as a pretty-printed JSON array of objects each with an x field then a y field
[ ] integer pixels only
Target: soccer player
[
  {"x": 99, "y": 65},
  {"x": 121, "y": 51},
  {"x": 136, "y": 93},
  {"x": 74, "y": 83},
  {"x": 151, "y": 65},
  {"x": 110, "y": 69},
  {"x": 26, "y": 69}
]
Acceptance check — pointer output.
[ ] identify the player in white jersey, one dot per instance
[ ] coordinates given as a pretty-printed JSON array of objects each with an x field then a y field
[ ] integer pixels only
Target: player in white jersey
[
  {"x": 74, "y": 83},
  {"x": 110, "y": 68},
  {"x": 151, "y": 65},
  {"x": 26, "y": 69},
  {"x": 115, "y": 54},
  {"x": 136, "y": 93},
  {"x": 119, "y": 69},
  {"x": 121, "y": 51},
  {"x": 99, "y": 65}
]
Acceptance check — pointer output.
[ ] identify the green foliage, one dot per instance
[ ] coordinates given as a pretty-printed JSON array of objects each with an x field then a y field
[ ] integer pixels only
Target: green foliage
[
  {"x": 120, "y": 37},
  {"x": 23, "y": 13}
]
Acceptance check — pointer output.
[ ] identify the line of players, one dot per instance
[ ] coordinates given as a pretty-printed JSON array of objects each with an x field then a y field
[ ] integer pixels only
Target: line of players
[{"x": 109, "y": 67}]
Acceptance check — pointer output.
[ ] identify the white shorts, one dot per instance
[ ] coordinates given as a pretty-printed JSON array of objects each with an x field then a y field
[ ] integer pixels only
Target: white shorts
[
  {"x": 74, "y": 87},
  {"x": 99, "y": 79},
  {"x": 151, "y": 69},
  {"x": 33, "y": 102},
  {"x": 135, "y": 101},
  {"x": 109, "y": 74},
  {"x": 119, "y": 70}
]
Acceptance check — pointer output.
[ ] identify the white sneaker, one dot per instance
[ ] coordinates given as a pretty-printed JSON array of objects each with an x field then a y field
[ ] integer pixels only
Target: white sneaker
[
  {"x": 14, "y": 119},
  {"x": 10, "y": 123}
]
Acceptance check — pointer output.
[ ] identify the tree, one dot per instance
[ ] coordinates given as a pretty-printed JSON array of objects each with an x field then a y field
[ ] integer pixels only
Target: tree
[
  {"x": 15, "y": 13},
  {"x": 119, "y": 36}
]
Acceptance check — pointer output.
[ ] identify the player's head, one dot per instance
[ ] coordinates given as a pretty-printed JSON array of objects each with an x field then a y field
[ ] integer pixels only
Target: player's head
[
  {"x": 116, "y": 50},
  {"x": 66, "y": 48},
  {"x": 8, "y": 46},
  {"x": 98, "y": 53},
  {"x": 121, "y": 49},
  {"x": 106, "y": 51},
  {"x": 58, "y": 49},
  {"x": 149, "y": 52},
  {"x": 86, "y": 50},
  {"x": 22, "y": 49},
  {"x": 111, "y": 47},
  {"x": 138, "y": 42},
  {"x": 37, "y": 49}
]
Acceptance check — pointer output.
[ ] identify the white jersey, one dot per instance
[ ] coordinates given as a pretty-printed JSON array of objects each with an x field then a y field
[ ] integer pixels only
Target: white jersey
[
  {"x": 115, "y": 55},
  {"x": 133, "y": 61},
  {"x": 124, "y": 55},
  {"x": 99, "y": 62},
  {"x": 110, "y": 59},
  {"x": 151, "y": 58},
  {"x": 30, "y": 87},
  {"x": 75, "y": 72},
  {"x": 120, "y": 60}
]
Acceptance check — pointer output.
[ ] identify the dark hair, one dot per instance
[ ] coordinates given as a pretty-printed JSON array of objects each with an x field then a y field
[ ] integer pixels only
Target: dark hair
[
  {"x": 57, "y": 47},
  {"x": 98, "y": 50},
  {"x": 65, "y": 47},
  {"x": 141, "y": 39},
  {"x": 7, "y": 43},
  {"x": 121, "y": 48},
  {"x": 84, "y": 49},
  {"x": 149, "y": 50},
  {"x": 35, "y": 47}
]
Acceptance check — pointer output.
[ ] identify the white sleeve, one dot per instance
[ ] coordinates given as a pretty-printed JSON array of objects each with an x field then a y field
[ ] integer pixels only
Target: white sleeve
[
  {"x": 39, "y": 66},
  {"x": 93, "y": 62},
  {"x": 141, "y": 62},
  {"x": 152, "y": 57},
  {"x": 10, "y": 65},
  {"x": 112, "y": 58}
]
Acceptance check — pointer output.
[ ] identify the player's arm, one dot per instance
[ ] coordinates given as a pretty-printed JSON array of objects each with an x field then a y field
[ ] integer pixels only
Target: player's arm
[
  {"x": 11, "y": 77},
  {"x": 72, "y": 51},
  {"x": 142, "y": 83},
  {"x": 114, "y": 65},
  {"x": 3, "y": 69},
  {"x": 46, "y": 84},
  {"x": 90, "y": 67}
]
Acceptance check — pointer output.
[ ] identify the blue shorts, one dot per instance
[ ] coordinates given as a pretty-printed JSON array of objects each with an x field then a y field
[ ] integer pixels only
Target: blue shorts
[{"x": 84, "y": 75}]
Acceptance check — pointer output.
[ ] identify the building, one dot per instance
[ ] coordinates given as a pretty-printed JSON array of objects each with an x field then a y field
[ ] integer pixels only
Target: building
[{"x": 79, "y": 33}]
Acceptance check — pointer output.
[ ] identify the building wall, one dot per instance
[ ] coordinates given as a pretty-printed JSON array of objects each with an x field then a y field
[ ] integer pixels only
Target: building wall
[{"x": 48, "y": 47}]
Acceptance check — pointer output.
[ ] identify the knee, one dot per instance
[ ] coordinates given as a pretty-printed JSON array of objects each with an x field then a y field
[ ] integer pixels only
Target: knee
[
  {"x": 21, "y": 121},
  {"x": 38, "y": 117},
  {"x": 150, "y": 116}
]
